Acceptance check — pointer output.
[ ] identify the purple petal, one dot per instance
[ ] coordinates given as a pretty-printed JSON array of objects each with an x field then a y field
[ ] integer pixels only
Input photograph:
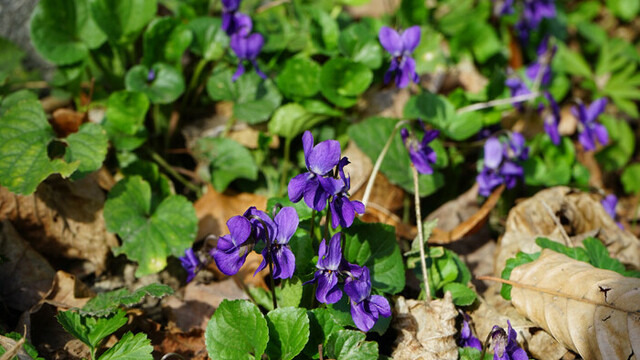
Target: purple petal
[
  {"x": 609, "y": 204},
  {"x": 421, "y": 160},
  {"x": 324, "y": 157},
  {"x": 363, "y": 319},
  {"x": 329, "y": 258},
  {"x": 407, "y": 71},
  {"x": 381, "y": 304},
  {"x": 238, "y": 72},
  {"x": 228, "y": 22},
  {"x": 390, "y": 40},
  {"x": 601, "y": 134},
  {"x": 331, "y": 185},
  {"x": 410, "y": 39},
  {"x": 586, "y": 139},
  {"x": 257, "y": 69},
  {"x": 296, "y": 186},
  {"x": 429, "y": 136},
  {"x": 228, "y": 257},
  {"x": 328, "y": 291},
  {"x": 492, "y": 153},
  {"x": 284, "y": 262},
  {"x": 287, "y": 223},
  {"x": 314, "y": 195},
  {"x": 487, "y": 180},
  {"x": 240, "y": 229},
  {"x": 391, "y": 71},
  {"x": 511, "y": 168},
  {"x": 358, "y": 206},
  {"x": 255, "y": 42},
  {"x": 231, "y": 5},
  {"x": 595, "y": 109},
  {"x": 358, "y": 288},
  {"x": 552, "y": 130},
  {"x": 242, "y": 24}
]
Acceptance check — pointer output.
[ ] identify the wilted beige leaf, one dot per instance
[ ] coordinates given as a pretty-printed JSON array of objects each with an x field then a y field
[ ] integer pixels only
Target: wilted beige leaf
[
  {"x": 580, "y": 214},
  {"x": 592, "y": 311},
  {"x": 425, "y": 332},
  {"x": 13, "y": 348}
]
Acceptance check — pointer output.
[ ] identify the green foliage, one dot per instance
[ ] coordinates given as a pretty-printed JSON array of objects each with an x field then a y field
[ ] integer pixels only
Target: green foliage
[
  {"x": 520, "y": 259},
  {"x": 349, "y": 344},
  {"x": 300, "y": 78},
  {"x": 359, "y": 43},
  {"x": 288, "y": 332},
  {"x": 121, "y": 20},
  {"x": 88, "y": 146},
  {"x": 237, "y": 330},
  {"x": 374, "y": 245},
  {"x": 629, "y": 179},
  {"x": 63, "y": 31},
  {"x": 549, "y": 164},
  {"x": 167, "y": 86},
  {"x": 471, "y": 353},
  {"x": 321, "y": 325},
  {"x": 292, "y": 119},
  {"x": 371, "y": 135},
  {"x": 130, "y": 347},
  {"x": 27, "y": 347},
  {"x": 149, "y": 235},
  {"x": 304, "y": 212},
  {"x": 10, "y": 58},
  {"x": 228, "y": 160},
  {"x": 105, "y": 304},
  {"x": 91, "y": 330},
  {"x": 209, "y": 40},
  {"x": 342, "y": 80},
  {"x": 622, "y": 143},
  {"x": 25, "y": 135},
  {"x": 625, "y": 9},
  {"x": 165, "y": 40}
]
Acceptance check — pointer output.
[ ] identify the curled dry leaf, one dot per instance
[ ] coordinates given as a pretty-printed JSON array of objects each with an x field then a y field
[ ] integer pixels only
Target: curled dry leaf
[
  {"x": 425, "y": 332},
  {"x": 63, "y": 219},
  {"x": 579, "y": 213},
  {"x": 29, "y": 272},
  {"x": 592, "y": 311},
  {"x": 13, "y": 348},
  {"x": 387, "y": 102},
  {"x": 67, "y": 121}
]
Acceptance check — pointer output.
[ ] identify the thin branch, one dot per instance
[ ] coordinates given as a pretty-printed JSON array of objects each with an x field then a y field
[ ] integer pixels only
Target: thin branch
[
  {"x": 423, "y": 262},
  {"x": 565, "y": 236},
  {"x": 498, "y": 102}
]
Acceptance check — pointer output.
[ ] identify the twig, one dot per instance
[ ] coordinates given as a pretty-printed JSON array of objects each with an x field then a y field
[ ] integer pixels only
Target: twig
[
  {"x": 565, "y": 236},
  {"x": 423, "y": 263},
  {"x": 498, "y": 102},
  {"x": 158, "y": 159},
  {"x": 376, "y": 166},
  {"x": 554, "y": 293}
]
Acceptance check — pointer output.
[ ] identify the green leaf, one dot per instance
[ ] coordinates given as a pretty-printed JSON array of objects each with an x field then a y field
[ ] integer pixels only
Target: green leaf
[
  {"x": 622, "y": 143},
  {"x": 371, "y": 135},
  {"x": 149, "y": 235},
  {"x": 292, "y": 119},
  {"x": 166, "y": 88},
  {"x": 130, "y": 347},
  {"x": 27, "y": 346},
  {"x": 572, "y": 252},
  {"x": 321, "y": 324},
  {"x": 228, "y": 160},
  {"x": 89, "y": 147},
  {"x": 374, "y": 245},
  {"x": 351, "y": 345},
  {"x": 359, "y": 43},
  {"x": 10, "y": 58},
  {"x": 413, "y": 12},
  {"x": 324, "y": 30},
  {"x": 237, "y": 330},
  {"x": 160, "y": 184},
  {"x": 299, "y": 78},
  {"x": 88, "y": 329},
  {"x": 471, "y": 353},
  {"x": 290, "y": 292},
  {"x": 288, "y": 332},
  {"x": 439, "y": 112},
  {"x": 629, "y": 179},
  {"x": 625, "y": 9},
  {"x": 121, "y": 20},
  {"x": 63, "y": 32},
  {"x": 304, "y": 212},
  {"x": 341, "y": 80},
  {"x": 429, "y": 54},
  {"x": 109, "y": 302},
  {"x": 209, "y": 40},
  {"x": 126, "y": 111},
  {"x": 552, "y": 164},
  {"x": 25, "y": 134},
  {"x": 569, "y": 61},
  {"x": 460, "y": 293},
  {"x": 165, "y": 40},
  {"x": 599, "y": 256},
  {"x": 520, "y": 259},
  {"x": 8, "y": 101}
]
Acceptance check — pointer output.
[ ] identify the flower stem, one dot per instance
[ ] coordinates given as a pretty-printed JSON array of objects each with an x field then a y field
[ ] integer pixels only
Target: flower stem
[
  {"x": 423, "y": 263},
  {"x": 158, "y": 159},
  {"x": 376, "y": 166},
  {"x": 271, "y": 281},
  {"x": 193, "y": 82},
  {"x": 285, "y": 165},
  {"x": 498, "y": 102},
  {"x": 312, "y": 226},
  {"x": 326, "y": 221}
]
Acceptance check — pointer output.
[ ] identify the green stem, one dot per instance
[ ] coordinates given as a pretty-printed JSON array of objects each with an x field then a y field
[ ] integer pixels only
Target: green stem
[
  {"x": 326, "y": 221},
  {"x": 158, "y": 159},
  {"x": 229, "y": 126},
  {"x": 312, "y": 226},
  {"x": 423, "y": 262},
  {"x": 193, "y": 83},
  {"x": 285, "y": 165}
]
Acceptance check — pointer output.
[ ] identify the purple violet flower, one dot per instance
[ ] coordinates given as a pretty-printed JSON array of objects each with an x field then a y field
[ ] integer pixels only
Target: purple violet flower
[
  {"x": 365, "y": 308},
  {"x": 284, "y": 261},
  {"x": 503, "y": 7},
  {"x": 517, "y": 87},
  {"x": 151, "y": 75},
  {"x": 190, "y": 263},
  {"x": 247, "y": 48},
  {"x": 609, "y": 204},
  {"x": 533, "y": 14},
  {"x": 229, "y": 10},
  {"x": 466, "y": 336},
  {"x": 505, "y": 346},
  {"x": 590, "y": 130},
  {"x": 320, "y": 160},
  {"x": 501, "y": 163},
  {"x": 342, "y": 209},
  {"x": 552, "y": 120},
  {"x": 232, "y": 250},
  {"x": 544, "y": 57},
  {"x": 421, "y": 154},
  {"x": 400, "y": 46},
  {"x": 329, "y": 261}
]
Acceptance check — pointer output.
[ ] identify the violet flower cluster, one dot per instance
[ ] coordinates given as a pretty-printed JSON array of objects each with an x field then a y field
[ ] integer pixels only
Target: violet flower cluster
[
  {"x": 325, "y": 182},
  {"x": 590, "y": 130},
  {"x": 467, "y": 339},
  {"x": 533, "y": 12},
  {"x": 400, "y": 46},
  {"x": 502, "y": 163},
  {"x": 245, "y": 45},
  {"x": 333, "y": 269},
  {"x": 505, "y": 346},
  {"x": 421, "y": 154}
]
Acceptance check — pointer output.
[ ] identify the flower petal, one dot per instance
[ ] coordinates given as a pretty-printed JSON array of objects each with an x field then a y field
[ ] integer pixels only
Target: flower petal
[
  {"x": 328, "y": 291},
  {"x": 601, "y": 134},
  {"x": 287, "y": 223},
  {"x": 239, "y": 72},
  {"x": 492, "y": 153},
  {"x": 255, "y": 42},
  {"x": 382, "y": 305},
  {"x": 324, "y": 157},
  {"x": 314, "y": 195},
  {"x": 410, "y": 39},
  {"x": 363, "y": 319},
  {"x": 329, "y": 258},
  {"x": 284, "y": 262},
  {"x": 595, "y": 109},
  {"x": 240, "y": 229},
  {"x": 296, "y": 186},
  {"x": 390, "y": 40}
]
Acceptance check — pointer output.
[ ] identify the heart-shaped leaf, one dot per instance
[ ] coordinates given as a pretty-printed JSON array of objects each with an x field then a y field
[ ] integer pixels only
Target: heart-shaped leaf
[
  {"x": 89, "y": 147},
  {"x": 121, "y": 20},
  {"x": 341, "y": 80},
  {"x": 228, "y": 160},
  {"x": 288, "y": 332},
  {"x": 165, "y": 88},
  {"x": 165, "y": 40},
  {"x": 209, "y": 40},
  {"x": 350, "y": 344},
  {"x": 299, "y": 78}
]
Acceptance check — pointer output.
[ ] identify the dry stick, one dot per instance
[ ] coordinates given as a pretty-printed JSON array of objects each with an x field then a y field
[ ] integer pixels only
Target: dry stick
[
  {"x": 423, "y": 263},
  {"x": 554, "y": 293},
  {"x": 376, "y": 166},
  {"x": 565, "y": 236},
  {"x": 498, "y": 102}
]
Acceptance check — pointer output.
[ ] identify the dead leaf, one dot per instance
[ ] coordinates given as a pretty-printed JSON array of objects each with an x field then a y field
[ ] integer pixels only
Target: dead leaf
[
  {"x": 462, "y": 217},
  {"x": 189, "y": 345},
  {"x": 13, "y": 348},
  {"x": 469, "y": 76},
  {"x": 426, "y": 332},
  {"x": 67, "y": 292},
  {"x": 67, "y": 121},
  {"x": 388, "y": 102},
  {"x": 374, "y": 8},
  {"x": 26, "y": 274},
  {"x": 581, "y": 214},
  {"x": 63, "y": 219},
  {"x": 594, "y": 312},
  {"x": 588, "y": 159}
]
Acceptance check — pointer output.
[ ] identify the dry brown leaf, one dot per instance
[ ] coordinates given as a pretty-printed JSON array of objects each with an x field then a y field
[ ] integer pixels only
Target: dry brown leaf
[
  {"x": 13, "y": 348},
  {"x": 189, "y": 345},
  {"x": 374, "y": 8},
  {"x": 62, "y": 220},
  {"x": 471, "y": 79},
  {"x": 462, "y": 217},
  {"x": 581, "y": 214},
  {"x": 425, "y": 332},
  {"x": 67, "y": 121},
  {"x": 67, "y": 292},
  {"x": 29, "y": 273},
  {"x": 388, "y": 102},
  {"x": 592, "y": 311}
]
